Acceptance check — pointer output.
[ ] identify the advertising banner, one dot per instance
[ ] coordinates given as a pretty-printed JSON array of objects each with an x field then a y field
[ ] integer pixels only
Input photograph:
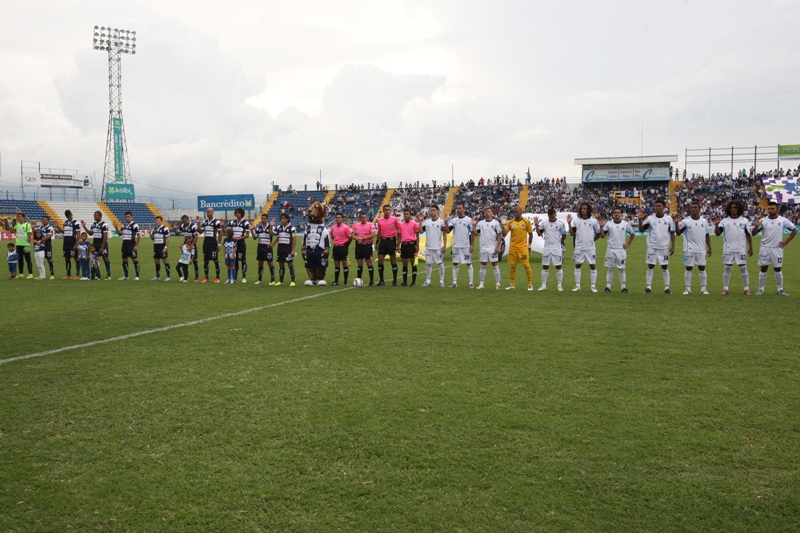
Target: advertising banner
[
  {"x": 625, "y": 174},
  {"x": 789, "y": 151},
  {"x": 61, "y": 181},
  {"x": 226, "y": 202},
  {"x": 119, "y": 171},
  {"x": 117, "y": 191}
]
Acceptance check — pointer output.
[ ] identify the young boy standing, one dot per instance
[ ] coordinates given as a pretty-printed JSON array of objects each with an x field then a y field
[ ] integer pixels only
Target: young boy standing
[
  {"x": 229, "y": 245},
  {"x": 13, "y": 259}
]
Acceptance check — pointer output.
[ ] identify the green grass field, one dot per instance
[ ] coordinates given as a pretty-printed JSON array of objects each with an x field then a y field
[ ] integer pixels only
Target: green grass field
[{"x": 400, "y": 409}]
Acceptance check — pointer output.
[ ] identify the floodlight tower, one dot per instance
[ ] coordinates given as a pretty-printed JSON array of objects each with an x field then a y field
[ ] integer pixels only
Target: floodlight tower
[{"x": 116, "y": 42}]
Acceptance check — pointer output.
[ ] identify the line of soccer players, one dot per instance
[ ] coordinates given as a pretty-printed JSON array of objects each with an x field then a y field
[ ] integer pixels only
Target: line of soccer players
[{"x": 390, "y": 234}]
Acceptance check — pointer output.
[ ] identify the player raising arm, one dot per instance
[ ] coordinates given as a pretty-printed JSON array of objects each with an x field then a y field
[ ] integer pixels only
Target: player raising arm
[{"x": 772, "y": 245}]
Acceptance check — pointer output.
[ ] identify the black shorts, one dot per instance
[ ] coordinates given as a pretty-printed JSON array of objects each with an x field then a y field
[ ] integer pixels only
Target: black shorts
[
  {"x": 340, "y": 253},
  {"x": 241, "y": 250},
  {"x": 387, "y": 246},
  {"x": 68, "y": 250},
  {"x": 210, "y": 249},
  {"x": 160, "y": 251},
  {"x": 97, "y": 246},
  {"x": 264, "y": 253},
  {"x": 314, "y": 258},
  {"x": 363, "y": 251},
  {"x": 408, "y": 250},
  {"x": 285, "y": 253},
  {"x": 48, "y": 253},
  {"x": 128, "y": 250}
]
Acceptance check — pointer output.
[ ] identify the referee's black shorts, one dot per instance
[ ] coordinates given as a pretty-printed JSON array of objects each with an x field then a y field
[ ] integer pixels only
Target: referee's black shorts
[
  {"x": 363, "y": 251},
  {"x": 387, "y": 246},
  {"x": 340, "y": 252},
  {"x": 408, "y": 250}
]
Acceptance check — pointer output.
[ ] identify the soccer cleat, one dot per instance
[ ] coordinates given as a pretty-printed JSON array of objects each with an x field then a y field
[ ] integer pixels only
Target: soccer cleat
[
  {"x": 67, "y": 277},
  {"x": 371, "y": 284},
  {"x": 413, "y": 284},
  {"x": 725, "y": 292},
  {"x": 52, "y": 276},
  {"x": 747, "y": 293},
  {"x": 205, "y": 280},
  {"x": 760, "y": 292},
  {"x": 75, "y": 278},
  {"x": 648, "y": 290},
  {"x": 577, "y": 288},
  {"x": 336, "y": 284},
  {"x": 441, "y": 284},
  {"x": 607, "y": 289},
  {"x": 480, "y": 286},
  {"x": 394, "y": 283},
  {"x": 498, "y": 287},
  {"x": 137, "y": 278},
  {"x": 123, "y": 278},
  {"x": 180, "y": 279},
  {"x": 783, "y": 293},
  {"x": 687, "y": 291},
  {"x": 184, "y": 281},
  {"x": 510, "y": 288},
  {"x": 543, "y": 288},
  {"x": 703, "y": 291},
  {"x": 452, "y": 286},
  {"x": 530, "y": 287},
  {"x": 471, "y": 285},
  {"x": 108, "y": 278},
  {"x": 29, "y": 276},
  {"x": 560, "y": 288},
  {"x": 216, "y": 280},
  {"x": 381, "y": 283},
  {"x": 593, "y": 288},
  {"x": 625, "y": 290},
  {"x": 273, "y": 282},
  {"x": 404, "y": 284},
  {"x": 426, "y": 284},
  {"x": 156, "y": 279},
  {"x": 167, "y": 278},
  {"x": 258, "y": 282},
  {"x": 293, "y": 284},
  {"x": 244, "y": 280},
  {"x": 278, "y": 284},
  {"x": 667, "y": 291}
]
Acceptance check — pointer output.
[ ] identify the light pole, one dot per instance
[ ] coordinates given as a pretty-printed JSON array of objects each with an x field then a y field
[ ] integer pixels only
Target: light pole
[{"x": 116, "y": 42}]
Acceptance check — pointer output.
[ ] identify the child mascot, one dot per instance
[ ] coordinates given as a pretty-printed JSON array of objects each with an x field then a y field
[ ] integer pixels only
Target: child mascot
[{"x": 316, "y": 244}]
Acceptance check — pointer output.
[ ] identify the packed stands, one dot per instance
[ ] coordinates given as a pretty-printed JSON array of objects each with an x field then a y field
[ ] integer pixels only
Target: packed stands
[
  {"x": 418, "y": 199},
  {"x": 295, "y": 204},
  {"x": 718, "y": 189},
  {"x": 354, "y": 199},
  {"x": 141, "y": 213},
  {"x": 502, "y": 198}
]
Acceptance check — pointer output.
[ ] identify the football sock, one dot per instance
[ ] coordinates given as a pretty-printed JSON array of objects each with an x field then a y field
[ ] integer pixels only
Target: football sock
[
  {"x": 380, "y": 272},
  {"x": 272, "y": 272},
  {"x": 428, "y": 272},
  {"x": 687, "y": 279},
  {"x": 244, "y": 270},
  {"x": 623, "y": 277},
  {"x": 291, "y": 271},
  {"x": 497, "y": 275},
  {"x": 779, "y": 279},
  {"x": 528, "y": 273},
  {"x": 745, "y": 277},
  {"x": 593, "y": 276},
  {"x": 482, "y": 273},
  {"x": 649, "y": 277},
  {"x": 125, "y": 269},
  {"x": 703, "y": 279},
  {"x": 216, "y": 265},
  {"x": 577, "y": 276},
  {"x": 512, "y": 273},
  {"x": 260, "y": 272},
  {"x": 52, "y": 269},
  {"x": 196, "y": 269},
  {"x": 336, "y": 271},
  {"x": 470, "y": 272},
  {"x": 665, "y": 273},
  {"x": 394, "y": 273},
  {"x": 413, "y": 274},
  {"x": 136, "y": 267},
  {"x": 158, "y": 270},
  {"x": 371, "y": 272},
  {"x": 281, "y": 273},
  {"x": 360, "y": 271},
  {"x": 762, "y": 279},
  {"x": 69, "y": 268},
  {"x": 205, "y": 268},
  {"x": 609, "y": 277},
  {"x": 455, "y": 274},
  {"x": 441, "y": 272},
  {"x": 726, "y": 276},
  {"x": 167, "y": 268},
  {"x": 108, "y": 268},
  {"x": 559, "y": 275},
  {"x": 235, "y": 274},
  {"x": 346, "y": 271},
  {"x": 405, "y": 274},
  {"x": 545, "y": 273}
]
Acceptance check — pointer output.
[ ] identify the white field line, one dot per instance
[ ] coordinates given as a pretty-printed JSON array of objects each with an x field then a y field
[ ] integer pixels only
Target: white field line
[{"x": 166, "y": 328}]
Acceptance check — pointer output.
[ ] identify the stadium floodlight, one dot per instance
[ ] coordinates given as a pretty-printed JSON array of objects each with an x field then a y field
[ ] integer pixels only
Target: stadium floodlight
[{"x": 115, "y": 41}]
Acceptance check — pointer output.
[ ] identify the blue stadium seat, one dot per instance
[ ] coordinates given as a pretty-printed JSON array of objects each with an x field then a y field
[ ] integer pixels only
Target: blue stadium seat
[
  {"x": 141, "y": 213},
  {"x": 32, "y": 210}
]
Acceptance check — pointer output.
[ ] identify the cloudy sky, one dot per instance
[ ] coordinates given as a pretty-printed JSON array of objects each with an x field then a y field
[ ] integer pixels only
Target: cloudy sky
[{"x": 229, "y": 97}]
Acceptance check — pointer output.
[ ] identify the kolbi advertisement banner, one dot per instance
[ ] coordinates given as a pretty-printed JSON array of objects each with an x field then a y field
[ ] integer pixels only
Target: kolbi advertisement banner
[
  {"x": 120, "y": 191},
  {"x": 226, "y": 202}
]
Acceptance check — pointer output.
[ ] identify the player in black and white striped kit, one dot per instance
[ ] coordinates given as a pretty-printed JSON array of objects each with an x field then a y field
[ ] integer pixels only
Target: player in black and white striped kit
[
  {"x": 71, "y": 230},
  {"x": 48, "y": 233},
  {"x": 160, "y": 236},
  {"x": 100, "y": 233},
  {"x": 241, "y": 231},
  {"x": 130, "y": 245},
  {"x": 211, "y": 228},
  {"x": 189, "y": 228},
  {"x": 263, "y": 234}
]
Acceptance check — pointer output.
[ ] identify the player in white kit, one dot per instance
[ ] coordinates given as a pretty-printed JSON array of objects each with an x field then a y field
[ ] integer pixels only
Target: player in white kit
[
  {"x": 660, "y": 230},
  {"x": 696, "y": 246},
  {"x": 554, "y": 233},
  {"x": 586, "y": 230},
  {"x": 463, "y": 231},
  {"x": 617, "y": 231},
  {"x": 435, "y": 232},
  {"x": 736, "y": 231},
  {"x": 772, "y": 244},
  {"x": 491, "y": 233}
]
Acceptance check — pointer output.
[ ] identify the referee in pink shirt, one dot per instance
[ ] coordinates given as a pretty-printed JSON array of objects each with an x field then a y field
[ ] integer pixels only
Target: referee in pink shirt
[
  {"x": 409, "y": 246},
  {"x": 341, "y": 247},
  {"x": 386, "y": 239}
]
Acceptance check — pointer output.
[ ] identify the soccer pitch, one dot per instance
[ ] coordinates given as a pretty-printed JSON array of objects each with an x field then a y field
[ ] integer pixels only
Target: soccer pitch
[{"x": 401, "y": 409}]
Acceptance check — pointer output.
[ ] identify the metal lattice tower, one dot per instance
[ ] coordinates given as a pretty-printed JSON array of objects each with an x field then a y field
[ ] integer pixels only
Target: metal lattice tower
[{"x": 116, "y": 42}]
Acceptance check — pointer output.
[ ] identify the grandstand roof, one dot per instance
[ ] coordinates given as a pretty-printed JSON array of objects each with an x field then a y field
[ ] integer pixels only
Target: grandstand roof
[{"x": 642, "y": 160}]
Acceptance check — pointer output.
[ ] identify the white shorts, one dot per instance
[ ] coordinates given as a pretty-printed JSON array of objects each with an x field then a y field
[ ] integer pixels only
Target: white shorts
[
  {"x": 461, "y": 255},
  {"x": 693, "y": 259},
  {"x": 657, "y": 256},
  {"x": 770, "y": 256},
  {"x": 488, "y": 255},
  {"x": 553, "y": 258},
  {"x": 585, "y": 256},
  {"x": 433, "y": 257},
  {"x": 738, "y": 258},
  {"x": 616, "y": 258}
]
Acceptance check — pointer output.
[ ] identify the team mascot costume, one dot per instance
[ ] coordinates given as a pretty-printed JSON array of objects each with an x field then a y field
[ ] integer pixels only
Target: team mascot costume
[{"x": 316, "y": 244}]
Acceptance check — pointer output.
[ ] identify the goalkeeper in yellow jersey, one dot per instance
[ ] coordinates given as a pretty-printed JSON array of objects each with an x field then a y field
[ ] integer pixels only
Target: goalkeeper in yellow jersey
[{"x": 521, "y": 232}]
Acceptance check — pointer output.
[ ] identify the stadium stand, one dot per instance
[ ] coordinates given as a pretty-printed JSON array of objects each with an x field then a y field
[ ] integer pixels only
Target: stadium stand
[
  {"x": 501, "y": 198},
  {"x": 80, "y": 210},
  {"x": 295, "y": 204},
  {"x": 33, "y": 210},
  {"x": 141, "y": 213},
  {"x": 418, "y": 199},
  {"x": 353, "y": 199},
  {"x": 54, "y": 217}
]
